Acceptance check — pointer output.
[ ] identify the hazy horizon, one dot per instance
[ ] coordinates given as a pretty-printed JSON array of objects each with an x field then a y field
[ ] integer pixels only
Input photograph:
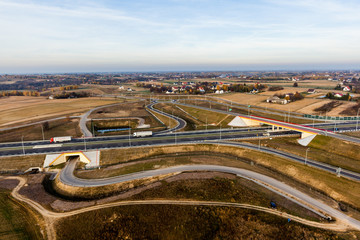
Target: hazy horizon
[{"x": 141, "y": 36}]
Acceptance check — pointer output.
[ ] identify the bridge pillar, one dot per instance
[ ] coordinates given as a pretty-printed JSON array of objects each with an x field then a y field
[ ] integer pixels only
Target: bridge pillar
[
  {"x": 243, "y": 122},
  {"x": 306, "y": 138}
]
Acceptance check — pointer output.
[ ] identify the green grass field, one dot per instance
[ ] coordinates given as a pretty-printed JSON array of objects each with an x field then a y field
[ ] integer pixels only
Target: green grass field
[
  {"x": 15, "y": 221},
  {"x": 323, "y": 149}
]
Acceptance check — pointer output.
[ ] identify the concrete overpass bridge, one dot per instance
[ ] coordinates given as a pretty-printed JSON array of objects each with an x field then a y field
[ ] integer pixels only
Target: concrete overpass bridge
[{"x": 307, "y": 133}]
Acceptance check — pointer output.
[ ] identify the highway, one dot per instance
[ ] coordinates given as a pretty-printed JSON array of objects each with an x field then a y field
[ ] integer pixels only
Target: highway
[
  {"x": 181, "y": 123},
  {"x": 67, "y": 177},
  {"x": 186, "y": 138},
  {"x": 292, "y": 126}
]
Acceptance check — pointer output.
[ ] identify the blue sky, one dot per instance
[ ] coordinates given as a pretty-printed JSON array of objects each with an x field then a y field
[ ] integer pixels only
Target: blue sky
[{"x": 175, "y": 35}]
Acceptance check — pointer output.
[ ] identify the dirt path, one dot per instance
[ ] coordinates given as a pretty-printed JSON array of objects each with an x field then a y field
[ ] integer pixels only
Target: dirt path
[{"x": 50, "y": 217}]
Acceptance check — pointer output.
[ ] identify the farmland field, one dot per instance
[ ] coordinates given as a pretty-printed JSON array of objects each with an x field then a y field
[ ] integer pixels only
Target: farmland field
[{"x": 29, "y": 109}]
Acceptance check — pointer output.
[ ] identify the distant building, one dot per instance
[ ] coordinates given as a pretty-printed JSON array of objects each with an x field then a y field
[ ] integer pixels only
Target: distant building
[
  {"x": 254, "y": 91},
  {"x": 346, "y": 89},
  {"x": 338, "y": 95},
  {"x": 311, "y": 91},
  {"x": 276, "y": 99}
]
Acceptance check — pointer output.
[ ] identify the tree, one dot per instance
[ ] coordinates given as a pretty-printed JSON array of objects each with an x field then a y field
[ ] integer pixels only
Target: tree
[{"x": 46, "y": 126}]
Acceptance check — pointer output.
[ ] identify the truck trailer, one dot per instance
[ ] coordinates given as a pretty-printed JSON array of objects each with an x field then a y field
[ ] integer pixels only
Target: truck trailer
[
  {"x": 143, "y": 134},
  {"x": 60, "y": 139}
]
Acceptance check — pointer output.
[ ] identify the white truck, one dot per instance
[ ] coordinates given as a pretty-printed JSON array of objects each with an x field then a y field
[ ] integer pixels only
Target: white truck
[
  {"x": 60, "y": 139},
  {"x": 143, "y": 134}
]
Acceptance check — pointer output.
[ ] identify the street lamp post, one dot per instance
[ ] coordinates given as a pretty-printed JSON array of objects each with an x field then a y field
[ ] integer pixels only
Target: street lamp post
[
  {"x": 129, "y": 135},
  {"x": 22, "y": 141},
  {"x": 84, "y": 144},
  {"x": 306, "y": 155},
  {"x": 220, "y": 131},
  {"x": 206, "y": 124},
  {"x": 289, "y": 116},
  {"x": 42, "y": 131},
  {"x": 357, "y": 119}
]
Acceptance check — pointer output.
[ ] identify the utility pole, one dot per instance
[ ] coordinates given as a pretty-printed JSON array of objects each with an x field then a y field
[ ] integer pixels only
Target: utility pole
[
  {"x": 22, "y": 141},
  {"x": 306, "y": 155}
]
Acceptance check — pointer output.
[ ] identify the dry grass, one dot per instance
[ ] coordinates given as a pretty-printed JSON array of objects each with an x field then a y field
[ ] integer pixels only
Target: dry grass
[
  {"x": 56, "y": 128},
  {"x": 102, "y": 191},
  {"x": 322, "y": 149},
  {"x": 171, "y": 123},
  {"x": 131, "y": 109},
  {"x": 208, "y": 116},
  {"x": 16, "y": 110},
  {"x": 21, "y": 163},
  {"x": 186, "y": 222},
  {"x": 340, "y": 189},
  {"x": 310, "y": 109},
  {"x": 353, "y": 134}
]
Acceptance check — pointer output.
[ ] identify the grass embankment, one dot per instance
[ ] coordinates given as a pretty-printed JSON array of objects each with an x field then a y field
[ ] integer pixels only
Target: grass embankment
[
  {"x": 222, "y": 188},
  {"x": 16, "y": 222},
  {"x": 64, "y": 127},
  {"x": 196, "y": 118},
  {"x": 169, "y": 122},
  {"x": 112, "y": 123},
  {"x": 184, "y": 222},
  {"x": 191, "y": 123},
  {"x": 227, "y": 190},
  {"x": 134, "y": 167},
  {"x": 212, "y": 119},
  {"x": 20, "y": 163},
  {"x": 353, "y": 134},
  {"x": 234, "y": 109},
  {"x": 130, "y": 110},
  {"x": 340, "y": 189},
  {"x": 323, "y": 149}
]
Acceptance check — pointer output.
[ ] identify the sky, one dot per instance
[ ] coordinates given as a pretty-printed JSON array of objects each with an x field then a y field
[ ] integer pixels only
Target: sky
[{"x": 54, "y": 36}]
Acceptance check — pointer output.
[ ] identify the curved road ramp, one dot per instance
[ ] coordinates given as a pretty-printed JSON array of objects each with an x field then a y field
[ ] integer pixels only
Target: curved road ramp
[{"x": 68, "y": 184}]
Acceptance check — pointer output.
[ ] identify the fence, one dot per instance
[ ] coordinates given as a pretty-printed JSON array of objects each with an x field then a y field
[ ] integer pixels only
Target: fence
[{"x": 330, "y": 118}]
